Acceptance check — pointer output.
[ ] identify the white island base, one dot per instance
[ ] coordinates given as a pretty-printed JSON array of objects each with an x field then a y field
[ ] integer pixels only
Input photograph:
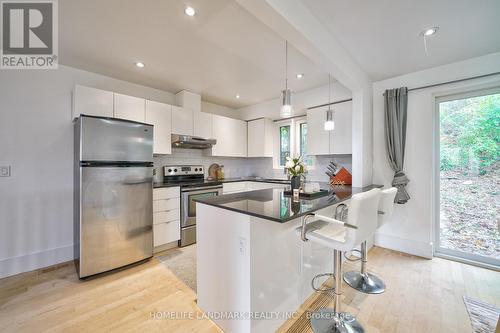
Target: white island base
[{"x": 253, "y": 273}]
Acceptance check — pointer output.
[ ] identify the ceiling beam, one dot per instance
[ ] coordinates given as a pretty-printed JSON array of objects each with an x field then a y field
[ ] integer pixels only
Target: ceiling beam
[{"x": 295, "y": 23}]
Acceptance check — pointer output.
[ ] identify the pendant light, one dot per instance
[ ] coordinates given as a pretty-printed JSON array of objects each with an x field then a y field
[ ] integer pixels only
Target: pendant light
[
  {"x": 329, "y": 122},
  {"x": 286, "y": 95}
]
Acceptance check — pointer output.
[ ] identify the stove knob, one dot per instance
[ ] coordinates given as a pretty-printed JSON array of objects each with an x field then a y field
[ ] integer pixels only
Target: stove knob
[
  {"x": 169, "y": 170},
  {"x": 196, "y": 169},
  {"x": 175, "y": 170},
  {"x": 201, "y": 169}
]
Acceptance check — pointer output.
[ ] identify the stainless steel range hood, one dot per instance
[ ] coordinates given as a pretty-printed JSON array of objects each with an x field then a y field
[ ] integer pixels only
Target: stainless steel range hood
[{"x": 192, "y": 142}]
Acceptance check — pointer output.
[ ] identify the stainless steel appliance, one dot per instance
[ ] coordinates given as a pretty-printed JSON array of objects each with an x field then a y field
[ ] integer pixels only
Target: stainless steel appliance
[
  {"x": 113, "y": 194},
  {"x": 193, "y": 185},
  {"x": 191, "y": 142}
]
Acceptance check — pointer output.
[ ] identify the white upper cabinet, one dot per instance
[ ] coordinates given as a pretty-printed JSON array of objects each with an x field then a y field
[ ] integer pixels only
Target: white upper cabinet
[
  {"x": 202, "y": 125},
  {"x": 182, "y": 121},
  {"x": 260, "y": 138},
  {"x": 341, "y": 136},
  {"x": 240, "y": 138},
  {"x": 129, "y": 107},
  {"x": 160, "y": 116},
  {"x": 338, "y": 141},
  {"x": 231, "y": 136},
  {"x": 318, "y": 140},
  {"x": 92, "y": 102}
]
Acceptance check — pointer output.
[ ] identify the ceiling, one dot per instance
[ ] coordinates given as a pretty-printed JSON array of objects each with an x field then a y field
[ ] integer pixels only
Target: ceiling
[
  {"x": 220, "y": 52},
  {"x": 383, "y": 36}
]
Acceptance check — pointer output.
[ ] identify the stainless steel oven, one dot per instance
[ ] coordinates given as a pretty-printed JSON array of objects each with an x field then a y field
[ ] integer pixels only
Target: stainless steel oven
[{"x": 188, "y": 209}]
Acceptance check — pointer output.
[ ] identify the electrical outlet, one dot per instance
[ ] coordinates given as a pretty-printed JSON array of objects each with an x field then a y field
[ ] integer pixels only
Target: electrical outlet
[
  {"x": 243, "y": 246},
  {"x": 4, "y": 170}
]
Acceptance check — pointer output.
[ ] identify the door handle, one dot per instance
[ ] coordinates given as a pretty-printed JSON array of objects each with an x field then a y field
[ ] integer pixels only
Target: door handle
[{"x": 139, "y": 183}]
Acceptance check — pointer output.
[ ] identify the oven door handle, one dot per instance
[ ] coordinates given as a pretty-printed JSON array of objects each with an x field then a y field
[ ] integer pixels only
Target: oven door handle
[{"x": 192, "y": 189}]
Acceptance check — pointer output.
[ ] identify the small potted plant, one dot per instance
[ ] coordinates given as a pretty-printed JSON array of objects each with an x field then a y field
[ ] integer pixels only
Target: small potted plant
[{"x": 296, "y": 168}]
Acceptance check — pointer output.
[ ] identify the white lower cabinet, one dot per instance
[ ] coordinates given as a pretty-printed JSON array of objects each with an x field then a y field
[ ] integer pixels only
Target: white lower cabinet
[
  {"x": 165, "y": 233},
  {"x": 252, "y": 186},
  {"x": 166, "y": 215},
  {"x": 235, "y": 187},
  {"x": 244, "y": 186}
]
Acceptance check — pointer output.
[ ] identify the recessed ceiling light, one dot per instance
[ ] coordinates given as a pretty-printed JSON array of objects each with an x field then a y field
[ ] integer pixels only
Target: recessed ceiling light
[
  {"x": 140, "y": 64},
  {"x": 300, "y": 76},
  {"x": 189, "y": 11},
  {"x": 237, "y": 96},
  {"x": 429, "y": 32}
]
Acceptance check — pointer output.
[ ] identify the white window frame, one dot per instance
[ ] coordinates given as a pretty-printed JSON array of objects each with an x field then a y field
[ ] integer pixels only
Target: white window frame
[
  {"x": 294, "y": 124},
  {"x": 298, "y": 123},
  {"x": 438, "y": 250}
]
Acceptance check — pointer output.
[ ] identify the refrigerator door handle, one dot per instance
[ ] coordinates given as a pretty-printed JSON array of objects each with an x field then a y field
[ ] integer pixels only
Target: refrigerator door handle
[{"x": 139, "y": 182}]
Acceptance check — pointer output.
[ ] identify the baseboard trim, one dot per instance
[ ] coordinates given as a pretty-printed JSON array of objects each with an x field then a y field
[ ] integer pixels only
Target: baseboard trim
[
  {"x": 29, "y": 262},
  {"x": 410, "y": 246}
]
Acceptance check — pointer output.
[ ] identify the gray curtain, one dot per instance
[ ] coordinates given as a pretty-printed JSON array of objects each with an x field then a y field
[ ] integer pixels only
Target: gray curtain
[{"x": 396, "y": 107}]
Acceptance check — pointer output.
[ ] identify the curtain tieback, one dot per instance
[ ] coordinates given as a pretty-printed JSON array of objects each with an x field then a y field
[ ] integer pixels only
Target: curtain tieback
[{"x": 400, "y": 181}]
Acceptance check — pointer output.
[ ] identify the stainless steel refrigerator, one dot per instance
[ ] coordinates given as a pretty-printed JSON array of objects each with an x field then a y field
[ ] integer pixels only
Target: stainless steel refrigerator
[{"x": 113, "y": 194}]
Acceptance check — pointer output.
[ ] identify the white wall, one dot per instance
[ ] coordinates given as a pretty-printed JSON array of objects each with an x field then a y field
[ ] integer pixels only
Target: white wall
[
  {"x": 36, "y": 139},
  {"x": 220, "y": 110},
  {"x": 300, "y": 101},
  {"x": 411, "y": 228}
]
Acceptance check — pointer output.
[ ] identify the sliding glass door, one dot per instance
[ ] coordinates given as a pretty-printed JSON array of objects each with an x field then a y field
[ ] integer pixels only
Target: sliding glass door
[{"x": 469, "y": 177}]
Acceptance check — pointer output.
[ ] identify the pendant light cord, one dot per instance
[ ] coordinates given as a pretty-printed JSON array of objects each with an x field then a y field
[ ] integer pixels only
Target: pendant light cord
[
  {"x": 329, "y": 91},
  {"x": 286, "y": 65}
]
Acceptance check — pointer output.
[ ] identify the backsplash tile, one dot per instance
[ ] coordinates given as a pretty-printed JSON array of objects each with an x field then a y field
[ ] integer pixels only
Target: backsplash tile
[{"x": 246, "y": 167}]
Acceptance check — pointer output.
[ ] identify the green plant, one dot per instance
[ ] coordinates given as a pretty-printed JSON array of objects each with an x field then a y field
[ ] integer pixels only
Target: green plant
[{"x": 472, "y": 127}]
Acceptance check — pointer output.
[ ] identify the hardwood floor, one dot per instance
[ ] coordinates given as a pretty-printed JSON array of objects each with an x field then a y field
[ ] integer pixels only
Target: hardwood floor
[
  {"x": 55, "y": 300},
  {"x": 422, "y": 296}
]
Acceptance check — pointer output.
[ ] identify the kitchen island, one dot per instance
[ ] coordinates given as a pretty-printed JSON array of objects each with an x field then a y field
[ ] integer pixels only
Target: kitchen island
[{"x": 253, "y": 271}]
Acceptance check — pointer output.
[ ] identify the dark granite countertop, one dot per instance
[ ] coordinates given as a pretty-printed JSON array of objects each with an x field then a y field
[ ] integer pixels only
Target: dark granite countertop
[
  {"x": 274, "y": 205},
  {"x": 228, "y": 180}
]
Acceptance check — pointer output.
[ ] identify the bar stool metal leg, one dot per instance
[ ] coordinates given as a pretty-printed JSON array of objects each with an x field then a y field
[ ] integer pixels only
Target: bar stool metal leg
[
  {"x": 334, "y": 320},
  {"x": 363, "y": 281}
]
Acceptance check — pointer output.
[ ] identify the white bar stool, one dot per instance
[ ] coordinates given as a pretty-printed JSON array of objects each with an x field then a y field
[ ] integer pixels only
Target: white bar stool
[
  {"x": 363, "y": 281},
  {"x": 340, "y": 237}
]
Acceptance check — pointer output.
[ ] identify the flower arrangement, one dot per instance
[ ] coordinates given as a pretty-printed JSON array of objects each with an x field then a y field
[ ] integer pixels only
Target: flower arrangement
[{"x": 295, "y": 166}]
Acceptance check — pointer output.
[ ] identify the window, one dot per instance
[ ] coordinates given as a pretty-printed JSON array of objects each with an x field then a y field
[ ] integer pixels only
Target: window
[
  {"x": 466, "y": 170},
  {"x": 284, "y": 143},
  {"x": 303, "y": 139},
  {"x": 302, "y": 142},
  {"x": 292, "y": 141}
]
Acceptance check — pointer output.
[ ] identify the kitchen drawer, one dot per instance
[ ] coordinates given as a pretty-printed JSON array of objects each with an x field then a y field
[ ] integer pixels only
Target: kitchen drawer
[
  {"x": 167, "y": 204},
  {"x": 166, "y": 233},
  {"x": 162, "y": 217},
  {"x": 166, "y": 193}
]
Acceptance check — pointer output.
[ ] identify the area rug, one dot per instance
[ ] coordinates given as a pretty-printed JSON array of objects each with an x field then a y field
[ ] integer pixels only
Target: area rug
[
  {"x": 483, "y": 316},
  {"x": 182, "y": 262}
]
